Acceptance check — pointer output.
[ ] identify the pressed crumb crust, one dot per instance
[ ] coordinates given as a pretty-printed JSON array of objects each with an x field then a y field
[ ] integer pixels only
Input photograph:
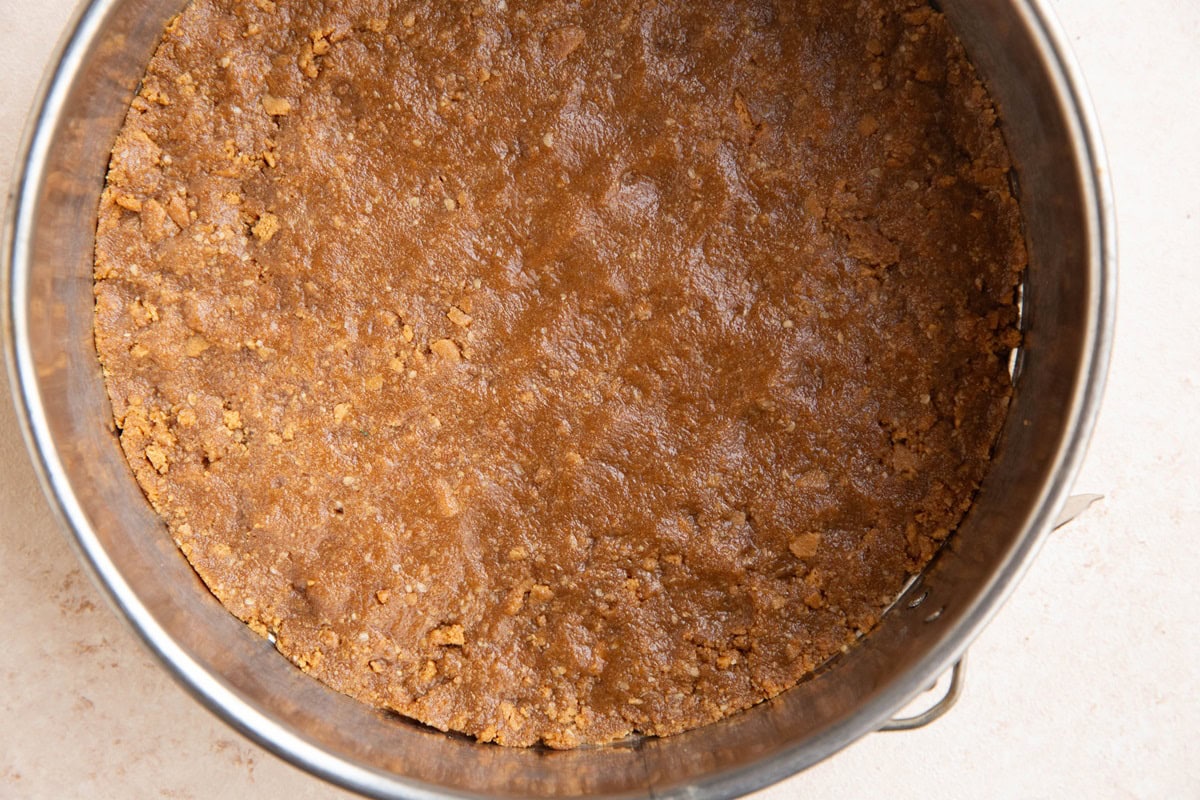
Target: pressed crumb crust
[{"x": 550, "y": 371}]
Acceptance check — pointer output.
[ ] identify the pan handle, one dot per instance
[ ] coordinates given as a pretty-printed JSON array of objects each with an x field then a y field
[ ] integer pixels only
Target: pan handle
[
  {"x": 944, "y": 704},
  {"x": 1074, "y": 506}
]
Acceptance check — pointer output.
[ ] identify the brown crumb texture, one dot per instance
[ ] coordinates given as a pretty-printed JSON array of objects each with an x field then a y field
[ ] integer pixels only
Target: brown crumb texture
[{"x": 553, "y": 371}]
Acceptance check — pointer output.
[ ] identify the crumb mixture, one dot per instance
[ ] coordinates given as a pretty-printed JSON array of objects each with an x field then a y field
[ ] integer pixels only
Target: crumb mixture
[{"x": 550, "y": 371}]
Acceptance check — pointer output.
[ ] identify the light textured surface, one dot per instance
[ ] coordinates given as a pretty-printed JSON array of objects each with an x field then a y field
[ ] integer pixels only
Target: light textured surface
[{"x": 1084, "y": 685}]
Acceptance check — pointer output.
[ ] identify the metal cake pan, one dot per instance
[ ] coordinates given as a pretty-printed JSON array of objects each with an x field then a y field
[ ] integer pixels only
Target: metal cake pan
[{"x": 47, "y": 335}]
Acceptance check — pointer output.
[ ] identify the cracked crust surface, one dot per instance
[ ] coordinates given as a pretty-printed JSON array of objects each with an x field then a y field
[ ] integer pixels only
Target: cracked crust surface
[{"x": 550, "y": 371}]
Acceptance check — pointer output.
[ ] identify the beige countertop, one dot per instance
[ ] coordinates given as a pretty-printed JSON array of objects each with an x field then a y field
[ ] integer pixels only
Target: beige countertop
[{"x": 1087, "y": 684}]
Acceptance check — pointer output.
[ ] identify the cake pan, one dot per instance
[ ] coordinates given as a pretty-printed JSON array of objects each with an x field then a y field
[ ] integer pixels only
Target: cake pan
[{"x": 1068, "y": 304}]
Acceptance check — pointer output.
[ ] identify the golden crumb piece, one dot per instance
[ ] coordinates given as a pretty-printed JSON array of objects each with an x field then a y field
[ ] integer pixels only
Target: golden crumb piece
[
  {"x": 447, "y": 635},
  {"x": 446, "y": 349},
  {"x": 458, "y": 316},
  {"x": 540, "y": 593},
  {"x": 805, "y": 545},
  {"x": 177, "y": 210},
  {"x": 128, "y": 202},
  {"x": 276, "y": 106},
  {"x": 156, "y": 225},
  {"x": 266, "y": 227},
  {"x": 157, "y": 458},
  {"x": 341, "y": 411},
  {"x": 195, "y": 346}
]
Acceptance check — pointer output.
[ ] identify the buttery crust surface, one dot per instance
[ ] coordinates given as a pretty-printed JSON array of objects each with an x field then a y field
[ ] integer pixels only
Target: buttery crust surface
[{"x": 550, "y": 371}]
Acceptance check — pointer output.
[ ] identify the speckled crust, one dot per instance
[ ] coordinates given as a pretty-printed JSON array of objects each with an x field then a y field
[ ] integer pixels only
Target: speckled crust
[{"x": 548, "y": 370}]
